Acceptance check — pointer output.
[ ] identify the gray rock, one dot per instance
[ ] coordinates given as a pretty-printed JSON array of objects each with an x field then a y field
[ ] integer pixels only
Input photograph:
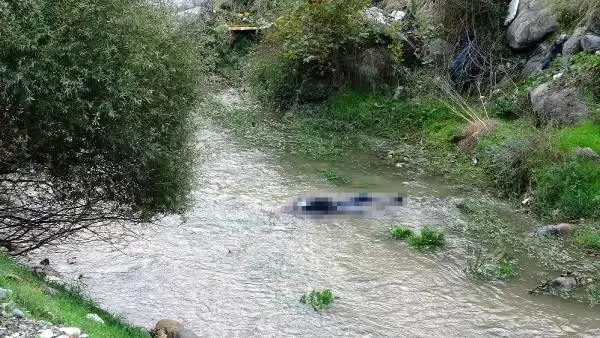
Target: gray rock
[
  {"x": 439, "y": 51},
  {"x": 534, "y": 21},
  {"x": 588, "y": 153},
  {"x": 513, "y": 6},
  {"x": 47, "y": 333},
  {"x": 94, "y": 317},
  {"x": 562, "y": 105},
  {"x": 534, "y": 63},
  {"x": 70, "y": 331},
  {"x": 562, "y": 229},
  {"x": 590, "y": 43},
  {"x": 185, "y": 333},
  {"x": 3, "y": 293},
  {"x": 17, "y": 313},
  {"x": 573, "y": 43},
  {"x": 376, "y": 17},
  {"x": 395, "y": 5}
]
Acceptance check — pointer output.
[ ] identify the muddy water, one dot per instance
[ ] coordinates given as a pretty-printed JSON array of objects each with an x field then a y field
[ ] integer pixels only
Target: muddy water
[{"x": 234, "y": 266}]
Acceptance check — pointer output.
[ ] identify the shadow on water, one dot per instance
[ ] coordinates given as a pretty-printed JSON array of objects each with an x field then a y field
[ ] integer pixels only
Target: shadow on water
[{"x": 234, "y": 266}]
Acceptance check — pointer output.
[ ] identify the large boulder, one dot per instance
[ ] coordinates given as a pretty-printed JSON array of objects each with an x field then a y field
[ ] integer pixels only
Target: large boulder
[
  {"x": 534, "y": 21},
  {"x": 563, "y": 106},
  {"x": 591, "y": 43}
]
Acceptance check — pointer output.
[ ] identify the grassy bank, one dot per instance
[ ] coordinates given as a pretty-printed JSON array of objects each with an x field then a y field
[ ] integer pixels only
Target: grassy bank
[{"x": 61, "y": 307}]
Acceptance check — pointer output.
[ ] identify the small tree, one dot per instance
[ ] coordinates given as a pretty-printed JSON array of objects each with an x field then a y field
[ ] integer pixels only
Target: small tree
[{"x": 95, "y": 114}]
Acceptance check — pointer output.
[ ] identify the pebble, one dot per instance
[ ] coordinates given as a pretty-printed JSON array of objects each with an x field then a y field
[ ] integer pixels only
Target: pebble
[
  {"x": 94, "y": 317},
  {"x": 70, "y": 331}
]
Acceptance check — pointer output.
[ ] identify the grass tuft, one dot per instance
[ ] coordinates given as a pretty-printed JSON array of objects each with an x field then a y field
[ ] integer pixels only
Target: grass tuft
[
  {"x": 319, "y": 300},
  {"x": 427, "y": 239},
  {"x": 400, "y": 232}
]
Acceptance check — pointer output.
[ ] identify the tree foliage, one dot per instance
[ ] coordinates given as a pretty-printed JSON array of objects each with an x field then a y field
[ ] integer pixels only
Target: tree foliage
[{"x": 96, "y": 100}]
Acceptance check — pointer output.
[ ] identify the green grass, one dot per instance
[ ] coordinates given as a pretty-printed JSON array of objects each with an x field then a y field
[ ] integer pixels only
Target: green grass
[
  {"x": 586, "y": 134},
  {"x": 427, "y": 239},
  {"x": 483, "y": 266},
  {"x": 319, "y": 300},
  {"x": 587, "y": 238},
  {"x": 400, "y": 232},
  {"x": 67, "y": 308}
]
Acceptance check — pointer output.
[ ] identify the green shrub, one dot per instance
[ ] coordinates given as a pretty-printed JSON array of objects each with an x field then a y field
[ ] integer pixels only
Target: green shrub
[
  {"x": 571, "y": 189},
  {"x": 301, "y": 56},
  {"x": 100, "y": 93},
  {"x": 319, "y": 300},
  {"x": 400, "y": 232},
  {"x": 427, "y": 239}
]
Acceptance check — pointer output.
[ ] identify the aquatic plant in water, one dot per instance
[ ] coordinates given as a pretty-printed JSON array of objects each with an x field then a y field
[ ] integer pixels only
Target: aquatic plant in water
[
  {"x": 319, "y": 300},
  {"x": 427, "y": 239},
  {"x": 335, "y": 178},
  {"x": 400, "y": 232}
]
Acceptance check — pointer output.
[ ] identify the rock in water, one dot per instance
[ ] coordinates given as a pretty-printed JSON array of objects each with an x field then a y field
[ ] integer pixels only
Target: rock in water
[
  {"x": 512, "y": 12},
  {"x": 534, "y": 21},
  {"x": 562, "y": 229},
  {"x": 166, "y": 327},
  {"x": 564, "y": 106},
  {"x": 591, "y": 43}
]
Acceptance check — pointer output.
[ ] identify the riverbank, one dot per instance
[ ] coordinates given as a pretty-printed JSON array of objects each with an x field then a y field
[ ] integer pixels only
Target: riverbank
[{"x": 34, "y": 305}]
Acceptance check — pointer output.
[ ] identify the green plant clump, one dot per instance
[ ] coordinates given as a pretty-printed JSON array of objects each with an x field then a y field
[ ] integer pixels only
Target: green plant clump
[
  {"x": 569, "y": 190},
  {"x": 335, "y": 178},
  {"x": 427, "y": 239},
  {"x": 319, "y": 300},
  {"x": 400, "y": 232}
]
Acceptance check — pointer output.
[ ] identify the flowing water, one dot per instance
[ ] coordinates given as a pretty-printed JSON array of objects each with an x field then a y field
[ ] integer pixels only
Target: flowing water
[{"x": 235, "y": 266}]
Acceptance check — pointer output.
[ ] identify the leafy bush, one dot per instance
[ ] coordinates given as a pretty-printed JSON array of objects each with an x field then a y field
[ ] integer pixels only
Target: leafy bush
[
  {"x": 570, "y": 189},
  {"x": 302, "y": 55},
  {"x": 318, "y": 299},
  {"x": 98, "y": 96},
  {"x": 400, "y": 232},
  {"x": 427, "y": 239}
]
